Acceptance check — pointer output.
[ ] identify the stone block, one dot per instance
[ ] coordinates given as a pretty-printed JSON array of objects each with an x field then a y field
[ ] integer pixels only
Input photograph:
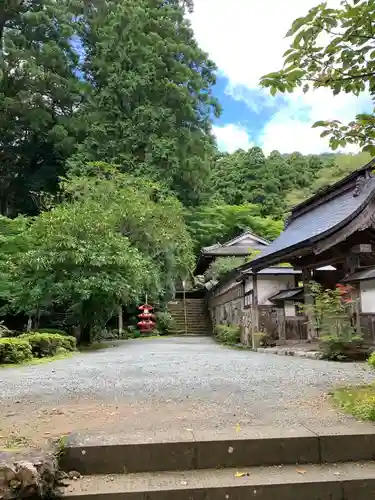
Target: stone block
[
  {"x": 255, "y": 447},
  {"x": 132, "y": 454}
]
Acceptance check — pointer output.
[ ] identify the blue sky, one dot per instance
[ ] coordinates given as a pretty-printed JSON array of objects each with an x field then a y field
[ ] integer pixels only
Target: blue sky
[
  {"x": 236, "y": 111},
  {"x": 246, "y": 40}
]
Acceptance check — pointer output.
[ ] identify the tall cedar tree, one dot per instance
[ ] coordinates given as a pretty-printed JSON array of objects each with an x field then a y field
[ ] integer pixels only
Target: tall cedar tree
[
  {"x": 39, "y": 92},
  {"x": 151, "y": 106}
]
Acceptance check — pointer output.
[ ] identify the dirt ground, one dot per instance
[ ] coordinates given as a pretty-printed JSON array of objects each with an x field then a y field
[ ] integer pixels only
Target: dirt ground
[{"x": 165, "y": 384}]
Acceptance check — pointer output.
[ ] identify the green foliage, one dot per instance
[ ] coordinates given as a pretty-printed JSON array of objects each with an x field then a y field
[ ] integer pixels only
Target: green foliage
[
  {"x": 228, "y": 334},
  {"x": 222, "y": 265},
  {"x": 39, "y": 93},
  {"x": 164, "y": 322},
  {"x": 263, "y": 339},
  {"x": 5, "y": 331},
  {"x": 48, "y": 344},
  {"x": 249, "y": 177},
  {"x": 337, "y": 168},
  {"x": 358, "y": 401},
  {"x": 371, "y": 360},
  {"x": 218, "y": 224},
  {"x": 333, "y": 48},
  {"x": 338, "y": 348},
  {"x": 151, "y": 103},
  {"x": 112, "y": 240},
  {"x": 51, "y": 330},
  {"x": 14, "y": 350},
  {"x": 131, "y": 332},
  {"x": 332, "y": 314}
]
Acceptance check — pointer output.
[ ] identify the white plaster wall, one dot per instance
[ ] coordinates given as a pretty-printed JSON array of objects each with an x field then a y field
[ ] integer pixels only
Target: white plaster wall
[
  {"x": 290, "y": 309},
  {"x": 367, "y": 296},
  {"x": 270, "y": 285},
  {"x": 249, "y": 284},
  {"x": 227, "y": 286}
]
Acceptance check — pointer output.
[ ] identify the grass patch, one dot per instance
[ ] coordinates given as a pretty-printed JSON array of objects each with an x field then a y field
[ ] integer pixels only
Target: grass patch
[
  {"x": 40, "y": 361},
  {"x": 13, "y": 443},
  {"x": 95, "y": 346},
  {"x": 359, "y": 401}
]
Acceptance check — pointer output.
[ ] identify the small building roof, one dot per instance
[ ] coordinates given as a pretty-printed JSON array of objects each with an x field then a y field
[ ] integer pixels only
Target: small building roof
[
  {"x": 320, "y": 216},
  {"x": 240, "y": 246},
  {"x": 247, "y": 237},
  {"x": 367, "y": 273},
  {"x": 290, "y": 294},
  {"x": 273, "y": 271}
]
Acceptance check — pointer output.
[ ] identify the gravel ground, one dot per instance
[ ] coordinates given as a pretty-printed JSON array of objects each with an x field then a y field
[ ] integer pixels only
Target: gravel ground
[{"x": 168, "y": 382}]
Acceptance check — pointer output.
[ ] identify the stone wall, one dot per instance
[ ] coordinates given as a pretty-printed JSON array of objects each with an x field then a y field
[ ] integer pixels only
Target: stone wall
[{"x": 227, "y": 307}]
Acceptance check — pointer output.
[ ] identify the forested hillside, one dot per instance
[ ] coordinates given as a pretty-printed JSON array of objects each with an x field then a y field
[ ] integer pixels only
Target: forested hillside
[{"x": 110, "y": 177}]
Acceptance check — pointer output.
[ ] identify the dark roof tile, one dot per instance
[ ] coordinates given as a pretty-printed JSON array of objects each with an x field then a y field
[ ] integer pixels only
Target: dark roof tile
[
  {"x": 319, "y": 221},
  {"x": 363, "y": 274}
]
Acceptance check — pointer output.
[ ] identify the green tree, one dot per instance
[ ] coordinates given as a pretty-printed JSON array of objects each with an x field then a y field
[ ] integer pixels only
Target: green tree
[
  {"x": 343, "y": 63},
  {"x": 264, "y": 182},
  {"x": 113, "y": 240},
  {"x": 335, "y": 169},
  {"x": 217, "y": 224},
  {"x": 151, "y": 108},
  {"x": 39, "y": 93}
]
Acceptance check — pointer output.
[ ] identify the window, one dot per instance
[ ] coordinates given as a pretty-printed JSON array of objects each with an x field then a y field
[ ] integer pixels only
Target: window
[{"x": 248, "y": 299}]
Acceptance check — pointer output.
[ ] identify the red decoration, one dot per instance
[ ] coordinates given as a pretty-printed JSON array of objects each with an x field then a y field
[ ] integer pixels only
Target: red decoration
[{"x": 146, "y": 324}]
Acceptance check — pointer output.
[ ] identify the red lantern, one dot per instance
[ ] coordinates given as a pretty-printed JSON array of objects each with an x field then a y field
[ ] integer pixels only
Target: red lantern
[{"x": 146, "y": 324}]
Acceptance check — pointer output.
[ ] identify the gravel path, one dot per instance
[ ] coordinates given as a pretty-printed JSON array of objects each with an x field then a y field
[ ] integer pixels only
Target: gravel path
[{"x": 161, "y": 383}]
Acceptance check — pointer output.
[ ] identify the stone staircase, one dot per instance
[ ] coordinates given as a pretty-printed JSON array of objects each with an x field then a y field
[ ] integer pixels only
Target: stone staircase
[
  {"x": 232, "y": 464},
  {"x": 196, "y": 317}
]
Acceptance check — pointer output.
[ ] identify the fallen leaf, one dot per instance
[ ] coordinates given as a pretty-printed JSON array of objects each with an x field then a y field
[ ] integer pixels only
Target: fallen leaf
[
  {"x": 240, "y": 474},
  {"x": 301, "y": 471},
  {"x": 238, "y": 428}
]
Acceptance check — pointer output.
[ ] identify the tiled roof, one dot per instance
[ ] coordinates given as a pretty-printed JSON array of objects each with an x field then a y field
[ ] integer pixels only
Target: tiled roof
[
  {"x": 307, "y": 226},
  {"x": 365, "y": 274},
  {"x": 274, "y": 270},
  {"x": 291, "y": 294},
  {"x": 233, "y": 250}
]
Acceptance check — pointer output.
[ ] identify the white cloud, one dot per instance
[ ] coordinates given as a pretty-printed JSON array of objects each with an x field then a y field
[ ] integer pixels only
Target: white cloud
[
  {"x": 288, "y": 132},
  {"x": 232, "y": 137},
  {"x": 246, "y": 39}
]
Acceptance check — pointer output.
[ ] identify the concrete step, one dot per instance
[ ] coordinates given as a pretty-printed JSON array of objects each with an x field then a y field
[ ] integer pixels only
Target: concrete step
[
  {"x": 354, "y": 481},
  {"x": 204, "y": 449}
]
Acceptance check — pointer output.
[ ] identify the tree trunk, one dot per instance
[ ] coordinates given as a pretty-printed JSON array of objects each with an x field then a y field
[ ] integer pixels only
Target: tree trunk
[
  {"x": 120, "y": 322},
  {"x": 85, "y": 335}
]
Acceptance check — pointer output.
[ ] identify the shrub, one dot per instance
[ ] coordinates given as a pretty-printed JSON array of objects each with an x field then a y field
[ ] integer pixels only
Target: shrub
[
  {"x": 337, "y": 348},
  {"x": 359, "y": 401},
  {"x": 371, "y": 360},
  {"x": 164, "y": 322},
  {"x": 49, "y": 344},
  {"x": 261, "y": 339},
  {"x": 14, "y": 350},
  {"x": 228, "y": 334},
  {"x": 50, "y": 330},
  {"x": 130, "y": 332},
  {"x": 4, "y": 330}
]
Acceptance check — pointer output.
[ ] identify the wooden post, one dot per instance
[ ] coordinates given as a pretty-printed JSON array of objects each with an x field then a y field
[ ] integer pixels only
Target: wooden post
[
  {"x": 309, "y": 305},
  {"x": 352, "y": 264},
  {"x": 254, "y": 311},
  {"x": 184, "y": 303},
  {"x": 120, "y": 322}
]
